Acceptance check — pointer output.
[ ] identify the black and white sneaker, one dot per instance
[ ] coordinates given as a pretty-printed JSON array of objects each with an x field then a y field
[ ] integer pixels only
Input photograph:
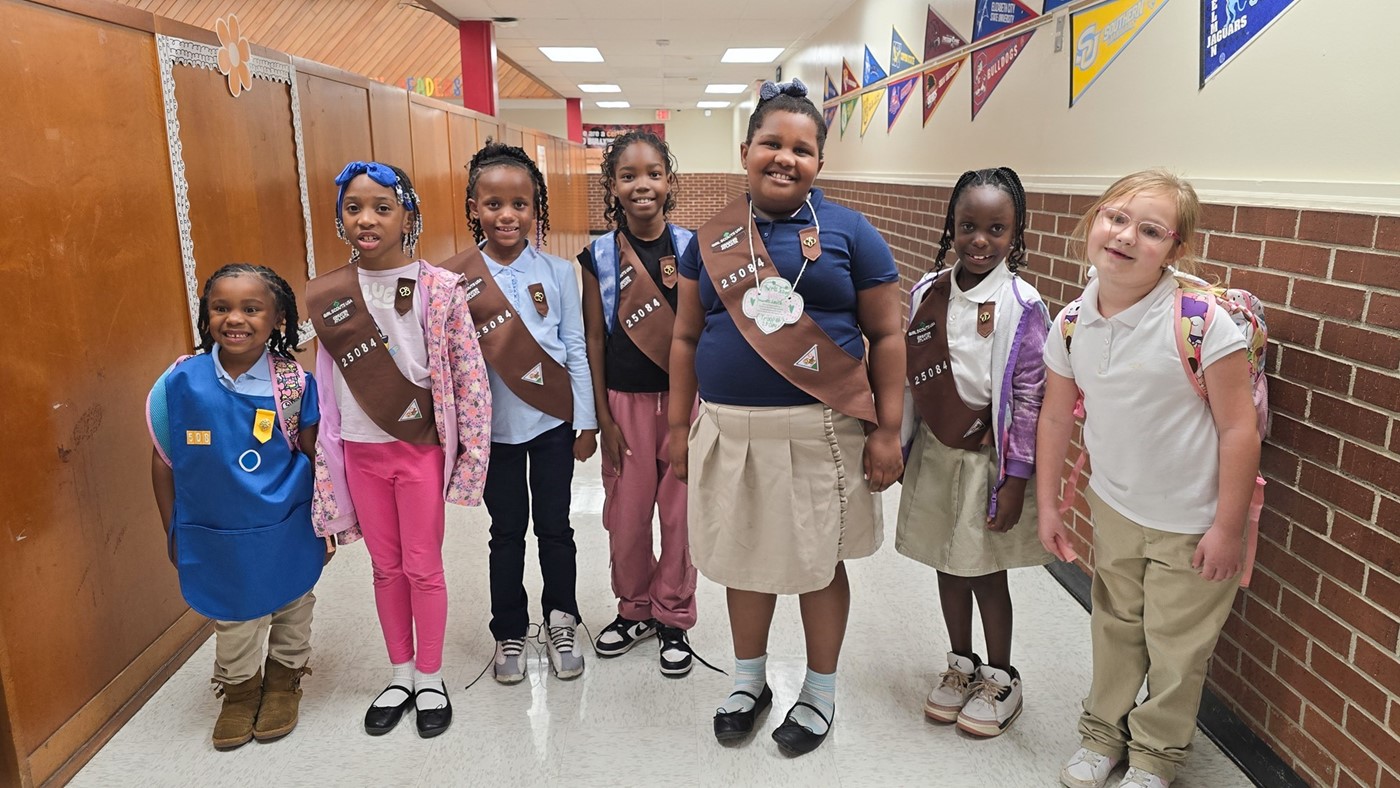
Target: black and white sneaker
[
  {"x": 676, "y": 655},
  {"x": 622, "y": 634}
]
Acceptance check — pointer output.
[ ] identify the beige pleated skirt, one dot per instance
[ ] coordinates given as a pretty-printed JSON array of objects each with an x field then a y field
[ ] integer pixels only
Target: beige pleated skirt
[
  {"x": 777, "y": 496},
  {"x": 943, "y": 513}
]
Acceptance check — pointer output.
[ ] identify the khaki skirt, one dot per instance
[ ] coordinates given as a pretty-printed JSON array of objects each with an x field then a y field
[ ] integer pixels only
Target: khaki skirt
[
  {"x": 943, "y": 513},
  {"x": 777, "y": 497}
]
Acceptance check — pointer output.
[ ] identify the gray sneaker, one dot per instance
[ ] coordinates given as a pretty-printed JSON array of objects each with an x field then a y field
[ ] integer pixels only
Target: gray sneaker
[
  {"x": 509, "y": 665},
  {"x": 564, "y": 656}
]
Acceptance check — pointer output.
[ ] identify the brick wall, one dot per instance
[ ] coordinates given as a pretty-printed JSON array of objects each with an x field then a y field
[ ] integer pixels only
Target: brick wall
[
  {"x": 1309, "y": 657},
  {"x": 699, "y": 196}
]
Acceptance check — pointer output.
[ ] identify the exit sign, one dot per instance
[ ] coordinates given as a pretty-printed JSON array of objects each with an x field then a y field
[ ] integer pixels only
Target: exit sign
[{"x": 663, "y": 114}]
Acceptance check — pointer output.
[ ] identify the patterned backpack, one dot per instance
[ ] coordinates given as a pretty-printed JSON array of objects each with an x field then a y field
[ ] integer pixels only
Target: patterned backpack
[{"x": 1193, "y": 315}]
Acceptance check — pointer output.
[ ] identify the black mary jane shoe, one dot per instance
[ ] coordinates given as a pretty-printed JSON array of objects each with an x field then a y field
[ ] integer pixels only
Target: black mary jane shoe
[
  {"x": 795, "y": 739},
  {"x": 735, "y": 725},
  {"x": 379, "y": 720},
  {"x": 432, "y": 722}
]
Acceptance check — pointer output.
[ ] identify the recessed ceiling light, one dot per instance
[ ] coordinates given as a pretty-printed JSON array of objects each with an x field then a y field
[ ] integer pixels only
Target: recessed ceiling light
[
  {"x": 573, "y": 54},
  {"x": 599, "y": 88},
  {"x": 726, "y": 88},
  {"x": 613, "y": 104},
  {"x": 712, "y": 104},
  {"x": 751, "y": 54}
]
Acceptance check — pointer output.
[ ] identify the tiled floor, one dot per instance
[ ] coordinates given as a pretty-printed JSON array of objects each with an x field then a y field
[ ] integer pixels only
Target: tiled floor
[{"x": 622, "y": 723}]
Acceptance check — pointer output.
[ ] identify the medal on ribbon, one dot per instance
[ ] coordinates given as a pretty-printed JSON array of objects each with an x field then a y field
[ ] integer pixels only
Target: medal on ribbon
[
  {"x": 773, "y": 304},
  {"x": 262, "y": 425}
]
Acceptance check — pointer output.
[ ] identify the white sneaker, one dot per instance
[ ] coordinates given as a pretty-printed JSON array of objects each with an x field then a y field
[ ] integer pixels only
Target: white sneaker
[
  {"x": 995, "y": 702},
  {"x": 954, "y": 688},
  {"x": 1087, "y": 769},
  {"x": 1141, "y": 778},
  {"x": 564, "y": 657},
  {"x": 509, "y": 665}
]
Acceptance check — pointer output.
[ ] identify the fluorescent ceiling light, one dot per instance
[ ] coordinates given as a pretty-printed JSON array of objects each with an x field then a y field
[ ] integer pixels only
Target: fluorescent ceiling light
[
  {"x": 726, "y": 88},
  {"x": 712, "y": 104},
  {"x": 613, "y": 104},
  {"x": 751, "y": 54},
  {"x": 573, "y": 54},
  {"x": 599, "y": 88}
]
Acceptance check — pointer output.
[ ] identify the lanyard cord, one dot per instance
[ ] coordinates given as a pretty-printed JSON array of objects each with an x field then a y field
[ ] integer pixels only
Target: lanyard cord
[{"x": 754, "y": 258}]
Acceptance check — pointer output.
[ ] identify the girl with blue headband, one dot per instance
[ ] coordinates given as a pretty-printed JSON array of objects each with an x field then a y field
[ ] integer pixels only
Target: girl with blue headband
[{"x": 406, "y": 414}]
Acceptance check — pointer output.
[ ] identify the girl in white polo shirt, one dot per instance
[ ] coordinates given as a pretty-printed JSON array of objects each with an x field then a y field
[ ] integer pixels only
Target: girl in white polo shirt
[{"x": 1171, "y": 485}]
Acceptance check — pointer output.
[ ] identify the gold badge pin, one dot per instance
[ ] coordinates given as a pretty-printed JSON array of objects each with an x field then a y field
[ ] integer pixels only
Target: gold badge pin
[
  {"x": 984, "y": 317},
  {"x": 809, "y": 242},
  {"x": 405, "y": 292},
  {"x": 262, "y": 425},
  {"x": 539, "y": 297},
  {"x": 668, "y": 270}
]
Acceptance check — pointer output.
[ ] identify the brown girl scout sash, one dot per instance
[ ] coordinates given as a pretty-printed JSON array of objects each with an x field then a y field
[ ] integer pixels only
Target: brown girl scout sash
[
  {"x": 800, "y": 351},
  {"x": 506, "y": 342},
  {"x": 350, "y": 335},
  {"x": 642, "y": 311},
  {"x": 930, "y": 373}
]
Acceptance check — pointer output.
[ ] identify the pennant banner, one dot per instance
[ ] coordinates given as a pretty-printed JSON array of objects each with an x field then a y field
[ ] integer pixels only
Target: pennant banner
[
  {"x": 994, "y": 16},
  {"x": 848, "y": 109},
  {"x": 939, "y": 37},
  {"x": 1228, "y": 26},
  {"x": 1051, "y": 5},
  {"x": 989, "y": 66},
  {"x": 872, "y": 72},
  {"x": 901, "y": 56},
  {"x": 1100, "y": 34},
  {"x": 848, "y": 78},
  {"x": 936, "y": 86},
  {"x": 899, "y": 96},
  {"x": 869, "y": 102},
  {"x": 830, "y": 92},
  {"x": 830, "y": 113}
]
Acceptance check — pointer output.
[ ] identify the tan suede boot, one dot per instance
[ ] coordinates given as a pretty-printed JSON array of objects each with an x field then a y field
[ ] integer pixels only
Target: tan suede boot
[
  {"x": 280, "y": 700},
  {"x": 234, "y": 728}
]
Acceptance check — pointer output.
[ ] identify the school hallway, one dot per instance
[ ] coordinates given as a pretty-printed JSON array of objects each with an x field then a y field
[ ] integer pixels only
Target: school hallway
[{"x": 623, "y": 723}]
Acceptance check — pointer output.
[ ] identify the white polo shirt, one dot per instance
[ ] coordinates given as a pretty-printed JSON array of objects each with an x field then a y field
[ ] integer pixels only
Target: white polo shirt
[
  {"x": 969, "y": 351},
  {"x": 1152, "y": 442}
]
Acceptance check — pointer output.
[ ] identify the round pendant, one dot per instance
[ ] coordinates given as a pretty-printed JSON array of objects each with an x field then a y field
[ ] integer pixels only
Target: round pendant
[{"x": 773, "y": 304}]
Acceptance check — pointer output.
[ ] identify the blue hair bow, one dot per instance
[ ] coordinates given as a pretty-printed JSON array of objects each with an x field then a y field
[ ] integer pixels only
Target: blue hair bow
[
  {"x": 381, "y": 174},
  {"x": 771, "y": 90}
]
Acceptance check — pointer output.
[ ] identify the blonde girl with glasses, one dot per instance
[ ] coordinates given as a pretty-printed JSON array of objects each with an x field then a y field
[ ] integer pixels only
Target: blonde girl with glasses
[{"x": 1172, "y": 482}]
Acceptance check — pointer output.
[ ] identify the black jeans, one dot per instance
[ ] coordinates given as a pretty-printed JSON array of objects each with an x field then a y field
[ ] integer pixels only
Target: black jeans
[{"x": 550, "y": 457}]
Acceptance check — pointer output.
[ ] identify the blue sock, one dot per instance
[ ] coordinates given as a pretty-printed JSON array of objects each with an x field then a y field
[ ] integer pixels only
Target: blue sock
[
  {"x": 750, "y": 675},
  {"x": 819, "y": 689}
]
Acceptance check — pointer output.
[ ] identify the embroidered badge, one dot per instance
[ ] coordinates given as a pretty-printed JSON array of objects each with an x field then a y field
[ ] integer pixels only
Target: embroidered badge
[
  {"x": 535, "y": 375},
  {"x": 809, "y": 360},
  {"x": 921, "y": 333},
  {"x": 727, "y": 239},
  {"x": 198, "y": 438},
  {"x": 244, "y": 462},
  {"x": 412, "y": 412},
  {"x": 338, "y": 312},
  {"x": 975, "y": 428},
  {"x": 262, "y": 425}
]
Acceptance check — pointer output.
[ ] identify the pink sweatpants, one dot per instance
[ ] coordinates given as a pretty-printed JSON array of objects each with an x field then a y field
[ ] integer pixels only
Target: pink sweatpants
[
  {"x": 645, "y": 586},
  {"x": 396, "y": 488}
]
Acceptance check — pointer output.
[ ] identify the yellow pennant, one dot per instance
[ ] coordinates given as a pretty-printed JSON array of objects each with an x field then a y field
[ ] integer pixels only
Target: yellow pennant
[{"x": 262, "y": 425}]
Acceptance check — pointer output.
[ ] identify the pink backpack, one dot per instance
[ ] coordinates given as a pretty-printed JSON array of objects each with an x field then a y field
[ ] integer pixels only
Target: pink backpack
[{"x": 1193, "y": 315}]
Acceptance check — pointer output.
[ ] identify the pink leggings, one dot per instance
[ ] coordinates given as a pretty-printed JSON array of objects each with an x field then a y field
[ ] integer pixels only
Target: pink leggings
[{"x": 396, "y": 488}]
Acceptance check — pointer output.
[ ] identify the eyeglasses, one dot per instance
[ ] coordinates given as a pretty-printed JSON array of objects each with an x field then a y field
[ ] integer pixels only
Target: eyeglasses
[{"x": 1153, "y": 233}]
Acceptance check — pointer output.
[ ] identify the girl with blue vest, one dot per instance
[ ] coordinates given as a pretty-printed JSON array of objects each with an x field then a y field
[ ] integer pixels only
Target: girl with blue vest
[
  {"x": 629, "y": 301},
  {"x": 234, "y": 429}
]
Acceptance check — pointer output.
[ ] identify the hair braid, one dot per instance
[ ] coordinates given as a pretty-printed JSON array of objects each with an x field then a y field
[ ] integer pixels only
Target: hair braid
[
  {"x": 494, "y": 154},
  {"x": 283, "y": 341},
  {"x": 612, "y": 211}
]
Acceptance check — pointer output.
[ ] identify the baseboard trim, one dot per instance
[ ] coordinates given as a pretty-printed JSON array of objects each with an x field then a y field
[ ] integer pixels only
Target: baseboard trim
[{"x": 1256, "y": 759}]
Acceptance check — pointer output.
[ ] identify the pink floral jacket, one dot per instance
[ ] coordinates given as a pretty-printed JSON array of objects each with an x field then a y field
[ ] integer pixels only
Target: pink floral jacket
[{"x": 461, "y": 406}]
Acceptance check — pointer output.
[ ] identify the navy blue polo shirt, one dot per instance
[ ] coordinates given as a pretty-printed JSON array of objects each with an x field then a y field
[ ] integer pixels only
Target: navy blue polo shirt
[{"x": 854, "y": 257}]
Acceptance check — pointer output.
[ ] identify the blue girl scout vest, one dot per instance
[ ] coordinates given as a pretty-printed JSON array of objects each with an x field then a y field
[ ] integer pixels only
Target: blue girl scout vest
[{"x": 241, "y": 530}]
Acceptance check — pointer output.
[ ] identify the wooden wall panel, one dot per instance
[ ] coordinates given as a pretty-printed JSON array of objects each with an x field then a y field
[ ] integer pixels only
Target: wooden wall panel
[
  {"x": 240, "y": 162},
  {"x": 335, "y": 129},
  {"x": 433, "y": 164},
  {"x": 389, "y": 127},
  {"x": 92, "y": 253},
  {"x": 463, "y": 143}
]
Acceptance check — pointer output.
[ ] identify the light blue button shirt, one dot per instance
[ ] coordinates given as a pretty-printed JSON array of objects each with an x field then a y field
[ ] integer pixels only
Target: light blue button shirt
[
  {"x": 559, "y": 332},
  {"x": 256, "y": 382}
]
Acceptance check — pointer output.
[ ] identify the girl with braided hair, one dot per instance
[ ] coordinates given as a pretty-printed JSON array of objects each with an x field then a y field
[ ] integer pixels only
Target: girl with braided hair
[
  {"x": 526, "y": 306},
  {"x": 406, "y": 410},
  {"x": 235, "y": 495},
  {"x": 975, "y": 383}
]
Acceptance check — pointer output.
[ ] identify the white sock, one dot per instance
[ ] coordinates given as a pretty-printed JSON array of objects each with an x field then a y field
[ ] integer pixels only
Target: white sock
[
  {"x": 750, "y": 675},
  {"x": 429, "y": 700},
  {"x": 819, "y": 689},
  {"x": 401, "y": 686}
]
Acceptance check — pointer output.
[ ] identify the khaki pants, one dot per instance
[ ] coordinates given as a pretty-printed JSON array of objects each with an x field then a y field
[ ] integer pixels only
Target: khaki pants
[
  {"x": 238, "y": 645},
  {"x": 1154, "y": 618}
]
